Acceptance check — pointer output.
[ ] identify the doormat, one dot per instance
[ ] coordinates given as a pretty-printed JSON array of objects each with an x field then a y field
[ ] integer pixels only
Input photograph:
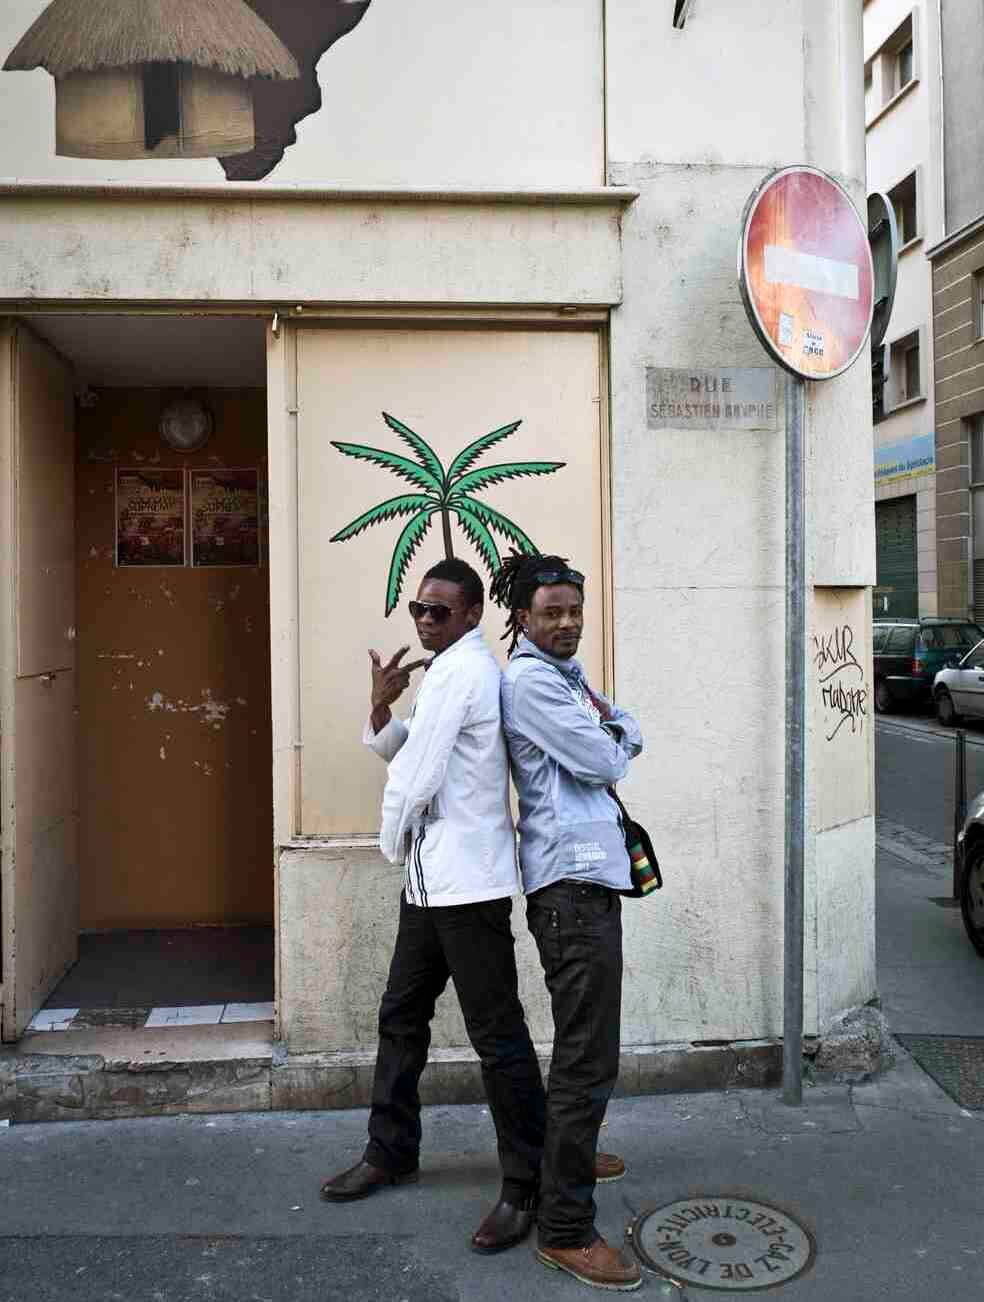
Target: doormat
[
  {"x": 137, "y": 1019},
  {"x": 955, "y": 1062}
]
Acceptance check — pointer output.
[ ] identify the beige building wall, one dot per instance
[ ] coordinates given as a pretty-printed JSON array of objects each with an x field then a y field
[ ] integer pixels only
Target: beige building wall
[
  {"x": 550, "y": 381},
  {"x": 420, "y": 93},
  {"x": 698, "y": 523},
  {"x": 638, "y": 255},
  {"x": 902, "y": 137}
]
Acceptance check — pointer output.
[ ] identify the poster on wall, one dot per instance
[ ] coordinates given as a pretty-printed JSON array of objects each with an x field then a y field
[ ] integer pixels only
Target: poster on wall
[
  {"x": 225, "y": 517},
  {"x": 150, "y": 517}
]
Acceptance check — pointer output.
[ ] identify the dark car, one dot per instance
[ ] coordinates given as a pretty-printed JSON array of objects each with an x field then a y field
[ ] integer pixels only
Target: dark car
[
  {"x": 970, "y": 872},
  {"x": 908, "y": 654}
]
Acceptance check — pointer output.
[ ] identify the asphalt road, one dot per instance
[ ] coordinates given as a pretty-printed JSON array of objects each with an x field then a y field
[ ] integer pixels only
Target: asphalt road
[
  {"x": 930, "y": 979},
  {"x": 914, "y": 761}
]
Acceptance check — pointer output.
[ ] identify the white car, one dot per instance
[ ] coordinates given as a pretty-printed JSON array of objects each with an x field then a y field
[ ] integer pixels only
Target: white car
[{"x": 958, "y": 690}]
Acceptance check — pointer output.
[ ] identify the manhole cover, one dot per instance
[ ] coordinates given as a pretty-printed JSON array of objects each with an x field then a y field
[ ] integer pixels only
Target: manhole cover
[{"x": 732, "y": 1244}]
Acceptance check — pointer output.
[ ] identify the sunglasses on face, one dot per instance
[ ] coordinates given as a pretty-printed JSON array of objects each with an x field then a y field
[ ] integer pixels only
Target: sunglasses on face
[
  {"x": 437, "y": 610},
  {"x": 559, "y": 576}
]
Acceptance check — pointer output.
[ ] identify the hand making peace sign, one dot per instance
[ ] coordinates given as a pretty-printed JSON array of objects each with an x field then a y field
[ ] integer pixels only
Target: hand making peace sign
[{"x": 389, "y": 682}]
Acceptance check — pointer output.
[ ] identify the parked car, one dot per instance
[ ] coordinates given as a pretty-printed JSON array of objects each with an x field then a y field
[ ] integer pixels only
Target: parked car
[
  {"x": 959, "y": 689},
  {"x": 908, "y": 654},
  {"x": 970, "y": 872}
]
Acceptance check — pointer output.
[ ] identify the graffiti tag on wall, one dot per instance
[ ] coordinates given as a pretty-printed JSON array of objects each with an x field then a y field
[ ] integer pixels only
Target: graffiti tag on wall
[{"x": 841, "y": 681}]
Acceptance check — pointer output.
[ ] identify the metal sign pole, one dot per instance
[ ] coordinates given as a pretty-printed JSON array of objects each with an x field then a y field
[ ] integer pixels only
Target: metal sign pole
[
  {"x": 792, "y": 1033},
  {"x": 807, "y": 279}
]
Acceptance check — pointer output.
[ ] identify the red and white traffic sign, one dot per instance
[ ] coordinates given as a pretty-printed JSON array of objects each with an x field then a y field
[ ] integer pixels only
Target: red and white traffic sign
[{"x": 805, "y": 271}]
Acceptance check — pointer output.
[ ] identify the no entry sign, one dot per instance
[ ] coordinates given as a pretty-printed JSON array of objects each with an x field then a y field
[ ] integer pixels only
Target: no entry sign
[{"x": 805, "y": 271}]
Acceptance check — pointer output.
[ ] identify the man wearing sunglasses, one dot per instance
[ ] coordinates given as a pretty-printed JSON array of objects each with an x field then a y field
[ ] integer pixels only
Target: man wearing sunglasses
[
  {"x": 568, "y": 745},
  {"x": 446, "y": 817}
]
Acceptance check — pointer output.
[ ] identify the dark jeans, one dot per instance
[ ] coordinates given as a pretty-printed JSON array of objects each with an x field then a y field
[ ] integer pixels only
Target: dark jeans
[
  {"x": 473, "y": 944},
  {"x": 578, "y": 930}
]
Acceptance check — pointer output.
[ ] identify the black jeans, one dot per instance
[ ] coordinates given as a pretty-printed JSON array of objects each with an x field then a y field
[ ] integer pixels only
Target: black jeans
[
  {"x": 473, "y": 944},
  {"x": 578, "y": 930}
]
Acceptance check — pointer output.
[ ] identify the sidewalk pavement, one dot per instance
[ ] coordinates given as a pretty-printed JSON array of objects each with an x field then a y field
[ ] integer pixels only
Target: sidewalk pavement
[{"x": 889, "y": 1176}]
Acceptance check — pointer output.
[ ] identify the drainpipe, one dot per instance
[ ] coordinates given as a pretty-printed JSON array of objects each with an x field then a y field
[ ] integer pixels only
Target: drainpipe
[{"x": 939, "y": 34}]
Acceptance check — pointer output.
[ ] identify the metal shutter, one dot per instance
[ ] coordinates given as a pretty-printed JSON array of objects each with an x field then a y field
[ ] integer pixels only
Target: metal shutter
[{"x": 897, "y": 589}]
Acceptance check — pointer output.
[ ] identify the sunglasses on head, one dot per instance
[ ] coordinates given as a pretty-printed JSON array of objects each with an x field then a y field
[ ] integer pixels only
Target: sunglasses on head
[
  {"x": 436, "y": 609},
  {"x": 559, "y": 576}
]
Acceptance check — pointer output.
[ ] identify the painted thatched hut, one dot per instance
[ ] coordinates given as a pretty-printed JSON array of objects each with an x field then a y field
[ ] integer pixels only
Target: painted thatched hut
[{"x": 153, "y": 78}]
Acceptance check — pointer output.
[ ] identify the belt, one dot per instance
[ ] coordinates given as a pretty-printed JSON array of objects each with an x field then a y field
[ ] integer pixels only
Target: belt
[{"x": 577, "y": 889}]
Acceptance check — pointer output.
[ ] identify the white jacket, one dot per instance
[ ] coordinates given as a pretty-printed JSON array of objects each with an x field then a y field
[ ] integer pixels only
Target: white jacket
[{"x": 446, "y": 810}]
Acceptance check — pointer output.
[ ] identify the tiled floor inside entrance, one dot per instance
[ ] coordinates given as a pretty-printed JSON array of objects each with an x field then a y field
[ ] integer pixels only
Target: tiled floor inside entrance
[{"x": 200, "y": 976}]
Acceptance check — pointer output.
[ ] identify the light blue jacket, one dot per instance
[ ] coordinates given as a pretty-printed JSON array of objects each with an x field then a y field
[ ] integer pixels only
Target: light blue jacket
[{"x": 562, "y": 762}]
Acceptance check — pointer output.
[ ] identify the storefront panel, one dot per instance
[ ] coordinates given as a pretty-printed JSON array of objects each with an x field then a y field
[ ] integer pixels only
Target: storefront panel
[{"x": 450, "y": 387}]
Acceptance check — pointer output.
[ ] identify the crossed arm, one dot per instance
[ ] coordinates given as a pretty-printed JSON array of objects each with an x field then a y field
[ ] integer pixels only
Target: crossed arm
[{"x": 547, "y": 714}]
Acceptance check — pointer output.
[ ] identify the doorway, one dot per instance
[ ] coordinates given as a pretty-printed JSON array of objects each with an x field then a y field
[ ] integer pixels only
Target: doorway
[
  {"x": 896, "y": 592},
  {"x": 169, "y": 726}
]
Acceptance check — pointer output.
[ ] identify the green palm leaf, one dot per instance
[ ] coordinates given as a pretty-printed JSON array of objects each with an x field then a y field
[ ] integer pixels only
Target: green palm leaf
[
  {"x": 475, "y": 530},
  {"x": 426, "y": 455},
  {"x": 502, "y": 525},
  {"x": 447, "y": 494},
  {"x": 407, "y": 543},
  {"x": 404, "y": 505},
  {"x": 401, "y": 466},
  {"x": 488, "y": 475},
  {"x": 474, "y": 450}
]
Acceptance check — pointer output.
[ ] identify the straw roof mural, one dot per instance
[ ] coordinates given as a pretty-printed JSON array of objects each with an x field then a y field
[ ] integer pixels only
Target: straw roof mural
[{"x": 184, "y": 78}]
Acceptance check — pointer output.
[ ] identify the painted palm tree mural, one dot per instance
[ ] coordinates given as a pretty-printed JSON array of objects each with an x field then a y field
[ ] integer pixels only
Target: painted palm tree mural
[{"x": 446, "y": 493}]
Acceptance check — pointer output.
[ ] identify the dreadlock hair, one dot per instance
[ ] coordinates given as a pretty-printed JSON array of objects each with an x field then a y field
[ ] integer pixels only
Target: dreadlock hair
[
  {"x": 460, "y": 572},
  {"x": 515, "y": 583}
]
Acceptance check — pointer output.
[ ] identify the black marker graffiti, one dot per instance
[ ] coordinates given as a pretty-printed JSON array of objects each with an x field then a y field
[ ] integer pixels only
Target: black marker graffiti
[
  {"x": 852, "y": 704},
  {"x": 833, "y": 655}
]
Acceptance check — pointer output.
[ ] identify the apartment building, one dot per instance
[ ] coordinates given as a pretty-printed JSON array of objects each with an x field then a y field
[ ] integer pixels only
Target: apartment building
[
  {"x": 902, "y": 131},
  {"x": 957, "y": 262}
]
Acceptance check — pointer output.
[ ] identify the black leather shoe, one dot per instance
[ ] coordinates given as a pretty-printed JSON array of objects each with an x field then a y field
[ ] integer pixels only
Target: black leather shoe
[
  {"x": 360, "y": 1181},
  {"x": 504, "y": 1227}
]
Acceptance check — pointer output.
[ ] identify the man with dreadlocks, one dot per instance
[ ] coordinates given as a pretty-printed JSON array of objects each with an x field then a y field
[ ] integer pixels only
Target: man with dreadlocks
[
  {"x": 446, "y": 817},
  {"x": 568, "y": 745}
]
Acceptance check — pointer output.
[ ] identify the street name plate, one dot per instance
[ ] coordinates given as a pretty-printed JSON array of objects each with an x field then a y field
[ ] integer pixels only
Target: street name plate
[
  {"x": 726, "y": 397},
  {"x": 726, "y": 1244}
]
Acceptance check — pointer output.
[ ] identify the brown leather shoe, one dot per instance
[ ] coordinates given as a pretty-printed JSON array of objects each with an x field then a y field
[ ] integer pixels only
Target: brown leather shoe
[
  {"x": 608, "y": 1167},
  {"x": 599, "y": 1265},
  {"x": 504, "y": 1227},
  {"x": 360, "y": 1181}
]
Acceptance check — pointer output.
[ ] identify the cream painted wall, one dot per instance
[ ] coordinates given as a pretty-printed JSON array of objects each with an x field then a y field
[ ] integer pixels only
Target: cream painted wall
[
  {"x": 698, "y": 516},
  {"x": 840, "y": 697},
  {"x": 449, "y": 386},
  {"x": 421, "y": 92},
  {"x": 234, "y": 248},
  {"x": 469, "y": 93}
]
